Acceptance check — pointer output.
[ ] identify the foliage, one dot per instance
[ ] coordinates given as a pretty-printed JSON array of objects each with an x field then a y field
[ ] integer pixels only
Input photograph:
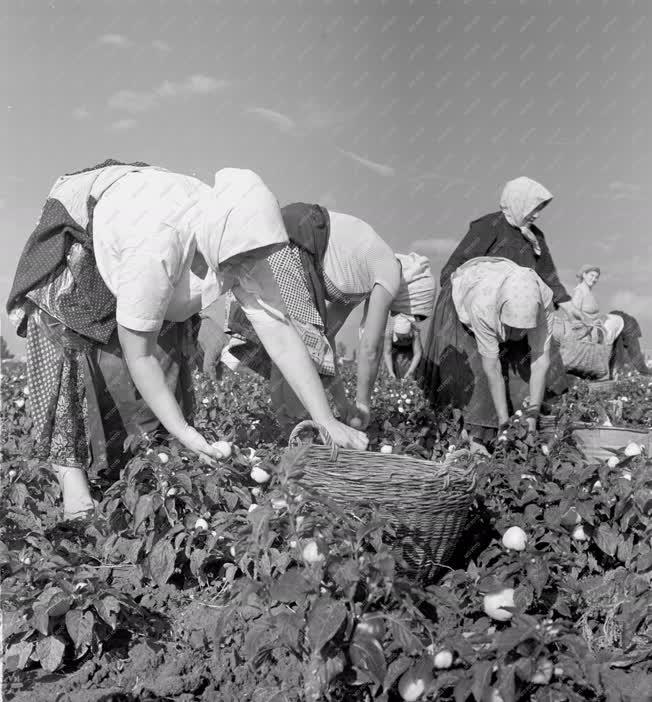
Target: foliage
[{"x": 195, "y": 582}]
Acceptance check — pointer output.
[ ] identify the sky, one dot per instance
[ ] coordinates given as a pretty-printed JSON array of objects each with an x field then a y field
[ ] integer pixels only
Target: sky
[{"x": 410, "y": 115}]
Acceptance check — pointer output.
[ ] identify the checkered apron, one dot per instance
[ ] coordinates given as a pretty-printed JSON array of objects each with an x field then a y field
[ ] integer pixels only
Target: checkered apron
[{"x": 289, "y": 274}]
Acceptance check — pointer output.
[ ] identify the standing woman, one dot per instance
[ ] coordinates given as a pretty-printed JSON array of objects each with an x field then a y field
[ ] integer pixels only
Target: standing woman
[
  {"x": 334, "y": 263},
  {"x": 107, "y": 292},
  {"x": 403, "y": 350},
  {"x": 450, "y": 360}
]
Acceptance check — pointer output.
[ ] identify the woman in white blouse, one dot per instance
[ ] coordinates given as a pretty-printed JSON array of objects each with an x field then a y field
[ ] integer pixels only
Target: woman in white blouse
[{"x": 165, "y": 246}]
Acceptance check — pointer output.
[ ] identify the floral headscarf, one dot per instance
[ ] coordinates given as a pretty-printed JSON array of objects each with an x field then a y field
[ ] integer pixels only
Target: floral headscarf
[
  {"x": 520, "y": 197},
  {"x": 520, "y": 297}
]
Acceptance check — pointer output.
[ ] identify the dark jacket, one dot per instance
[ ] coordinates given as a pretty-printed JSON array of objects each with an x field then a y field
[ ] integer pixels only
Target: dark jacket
[{"x": 493, "y": 235}]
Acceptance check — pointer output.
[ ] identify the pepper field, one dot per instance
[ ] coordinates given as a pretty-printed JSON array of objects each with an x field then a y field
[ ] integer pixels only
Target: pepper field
[{"x": 194, "y": 583}]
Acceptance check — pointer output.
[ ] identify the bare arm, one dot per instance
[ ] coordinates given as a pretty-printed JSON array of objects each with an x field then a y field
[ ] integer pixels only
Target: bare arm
[
  {"x": 146, "y": 372},
  {"x": 417, "y": 353},
  {"x": 266, "y": 312},
  {"x": 371, "y": 344},
  {"x": 493, "y": 371},
  {"x": 387, "y": 352}
]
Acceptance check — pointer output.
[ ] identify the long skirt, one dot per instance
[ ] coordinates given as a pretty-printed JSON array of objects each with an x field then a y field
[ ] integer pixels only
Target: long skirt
[
  {"x": 83, "y": 403},
  {"x": 451, "y": 373}
]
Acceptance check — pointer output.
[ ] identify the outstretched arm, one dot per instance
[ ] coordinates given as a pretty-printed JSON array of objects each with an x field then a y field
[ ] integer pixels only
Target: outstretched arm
[
  {"x": 371, "y": 347},
  {"x": 261, "y": 301},
  {"x": 149, "y": 379},
  {"x": 417, "y": 353}
]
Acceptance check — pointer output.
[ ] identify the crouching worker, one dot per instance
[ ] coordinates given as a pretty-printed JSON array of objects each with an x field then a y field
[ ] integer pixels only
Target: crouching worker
[
  {"x": 403, "y": 350},
  {"x": 502, "y": 344},
  {"x": 334, "y": 263},
  {"x": 108, "y": 291}
]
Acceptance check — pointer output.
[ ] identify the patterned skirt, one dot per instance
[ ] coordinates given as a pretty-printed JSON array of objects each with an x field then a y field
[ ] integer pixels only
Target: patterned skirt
[
  {"x": 289, "y": 274},
  {"x": 85, "y": 408}
]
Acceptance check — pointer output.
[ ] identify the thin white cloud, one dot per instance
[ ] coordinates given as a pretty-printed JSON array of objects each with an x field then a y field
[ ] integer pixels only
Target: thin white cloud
[
  {"x": 123, "y": 125},
  {"x": 119, "y": 41},
  {"x": 277, "y": 119},
  {"x": 381, "y": 169},
  {"x": 161, "y": 46},
  {"x": 80, "y": 113},
  {"x": 135, "y": 101},
  {"x": 434, "y": 247},
  {"x": 633, "y": 303},
  {"x": 625, "y": 191}
]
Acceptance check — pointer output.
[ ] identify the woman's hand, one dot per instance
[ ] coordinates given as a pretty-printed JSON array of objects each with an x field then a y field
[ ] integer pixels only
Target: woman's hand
[
  {"x": 359, "y": 417},
  {"x": 346, "y": 437},
  {"x": 196, "y": 443}
]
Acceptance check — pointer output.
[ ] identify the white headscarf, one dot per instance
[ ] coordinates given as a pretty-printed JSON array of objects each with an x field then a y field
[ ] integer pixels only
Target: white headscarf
[
  {"x": 417, "y": 292},
  {"x": 239, "y": 215},
  {"x": 519, "y": 298},
  {"x": 403, "y": 324},
  {"x": 521, "y": 196}
]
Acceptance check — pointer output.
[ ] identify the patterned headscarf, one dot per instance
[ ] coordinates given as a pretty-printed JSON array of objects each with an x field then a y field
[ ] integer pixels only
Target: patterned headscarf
[
  {"x": 521, "y": 196},
  {"x": 417, "y": 292},
  {"x": 519, "y": 298}
]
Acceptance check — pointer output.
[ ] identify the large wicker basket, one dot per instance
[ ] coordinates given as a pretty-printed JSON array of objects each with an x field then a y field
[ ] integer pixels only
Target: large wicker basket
[{"x": 428, "y": 502}]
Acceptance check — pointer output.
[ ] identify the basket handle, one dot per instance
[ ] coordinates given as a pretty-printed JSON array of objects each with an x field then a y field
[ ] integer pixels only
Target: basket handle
[{"x": 320, "y": 430}]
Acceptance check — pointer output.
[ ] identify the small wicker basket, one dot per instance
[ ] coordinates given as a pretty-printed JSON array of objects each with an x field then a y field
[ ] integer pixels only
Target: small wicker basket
[
  {"x": 595, "y": 440},
  {"x": 429, "y": 501}
]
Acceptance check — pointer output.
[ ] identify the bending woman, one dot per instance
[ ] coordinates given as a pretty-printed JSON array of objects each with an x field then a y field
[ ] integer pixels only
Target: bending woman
[
  {"x": 108, "y": 290},
  {"x": 334, "y": 263},
  {"x": 510, "y": 233},
  {"x": 403, "y": 351},
  {"x": 506, "y": 316}
]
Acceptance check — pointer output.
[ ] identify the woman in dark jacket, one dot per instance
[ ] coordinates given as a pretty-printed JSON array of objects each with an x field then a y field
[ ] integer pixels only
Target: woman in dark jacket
[{"x": 451, "y": 372}]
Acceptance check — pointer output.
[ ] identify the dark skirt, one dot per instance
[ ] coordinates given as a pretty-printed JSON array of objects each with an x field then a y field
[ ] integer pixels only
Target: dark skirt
[
  {"x": 451, "y": 372},
  {"x": 402, "y": 359},
  {"x": 83, "y": 403}
]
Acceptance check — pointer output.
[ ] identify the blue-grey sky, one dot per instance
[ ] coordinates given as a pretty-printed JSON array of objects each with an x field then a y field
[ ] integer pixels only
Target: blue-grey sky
[{"x": 410, "y": 115}]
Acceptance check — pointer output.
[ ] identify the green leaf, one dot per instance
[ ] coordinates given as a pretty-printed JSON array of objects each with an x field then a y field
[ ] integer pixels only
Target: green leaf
[
  {"x": 107, "y": 608},
  {"x": 79, "y": 626},
  {"x": 17, "y": 655},
  {"x": 143, "y": 509},
  {"x": 58, "y": 605},
  {"x": 395, "y": 669},
  {"x": 538, "y": 574},
  {"x": 606, "y": 539},
  {"x": 481, "y": 678},
  {"x": 367, "y": 655},
  {"x": 324, "y": 620},
  {"x": 50, "y": 652},
  {"x": 292, "y": 586},
  {"x": 161, "y": 562}
]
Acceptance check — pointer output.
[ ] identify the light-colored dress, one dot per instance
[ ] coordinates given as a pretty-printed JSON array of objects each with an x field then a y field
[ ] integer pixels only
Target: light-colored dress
[{"x": 586, "y": 302}]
